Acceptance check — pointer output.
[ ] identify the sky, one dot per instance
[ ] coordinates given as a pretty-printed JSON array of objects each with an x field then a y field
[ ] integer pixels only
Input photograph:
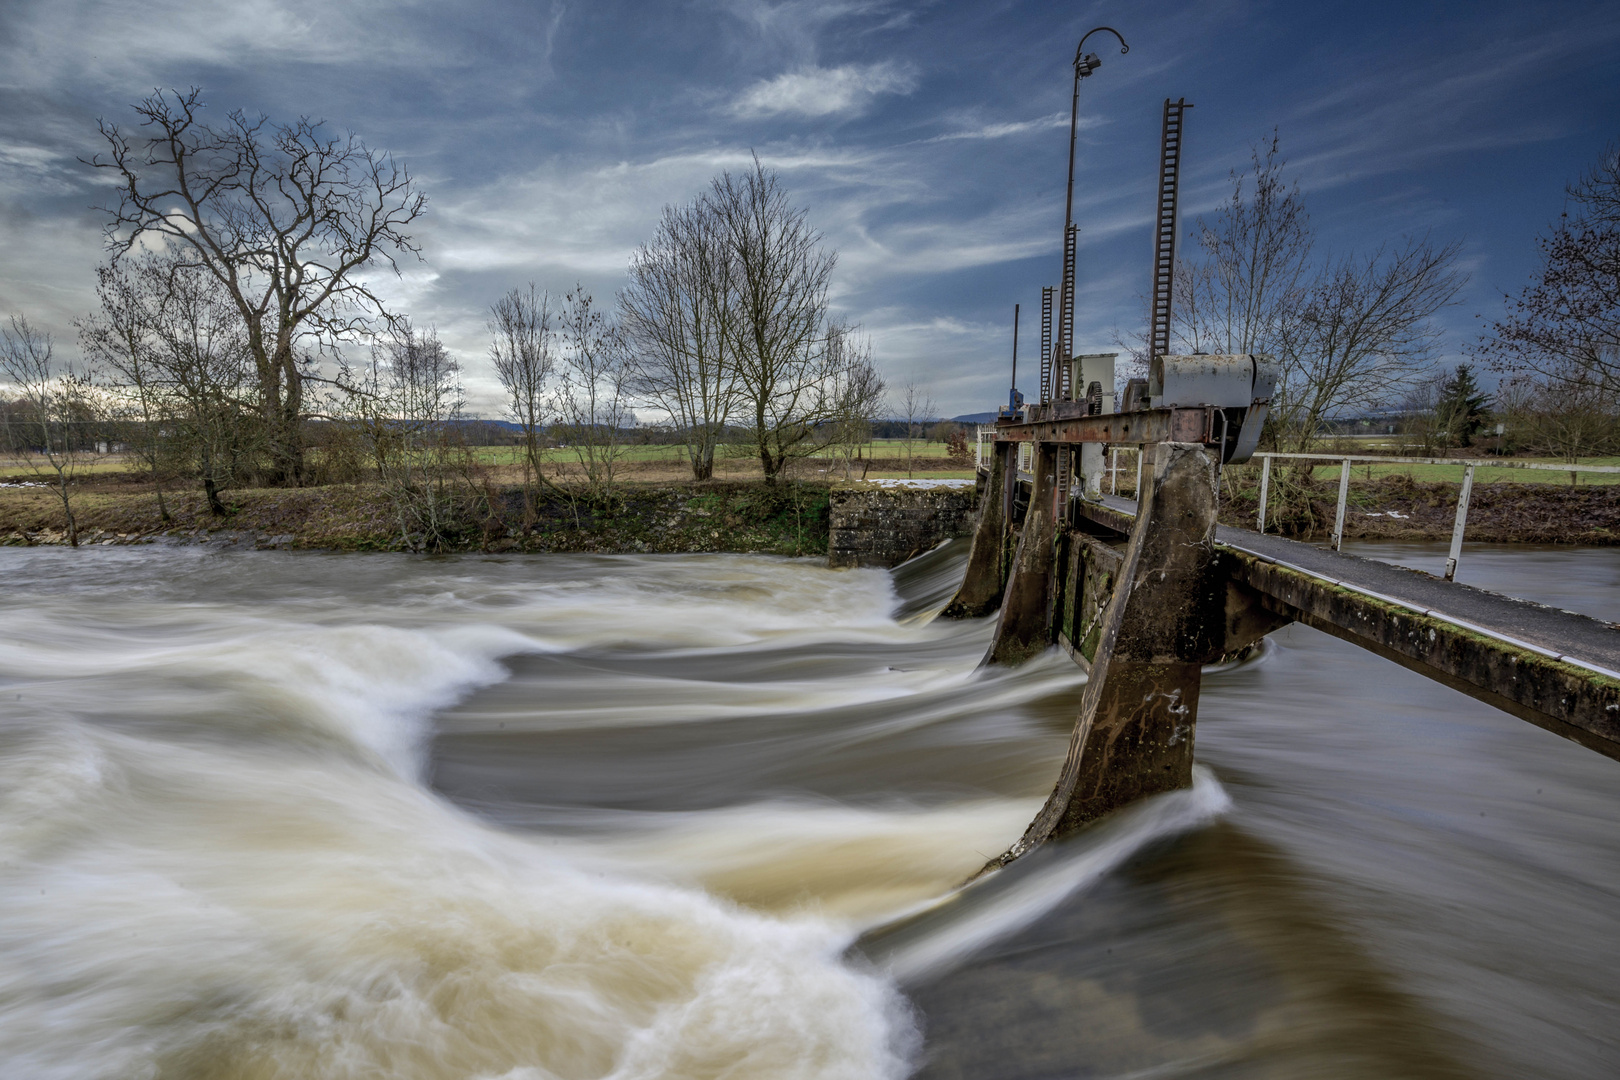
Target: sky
[{"x": 927, "y": 141}]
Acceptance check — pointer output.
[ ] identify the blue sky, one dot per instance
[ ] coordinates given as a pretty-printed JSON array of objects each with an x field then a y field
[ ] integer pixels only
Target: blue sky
[{"x": 927, "y": 140}]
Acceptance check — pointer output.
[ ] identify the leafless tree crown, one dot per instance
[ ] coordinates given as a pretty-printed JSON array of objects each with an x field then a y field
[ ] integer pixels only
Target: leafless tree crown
[
  {"x": 285, "y": 217},
  {"x": 677, "y": 312},
  {"x": 1565, "y": 324}
]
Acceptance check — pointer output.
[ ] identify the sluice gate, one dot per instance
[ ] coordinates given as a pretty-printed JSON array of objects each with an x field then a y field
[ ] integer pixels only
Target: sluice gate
[{"x": 1145, "y": 593}]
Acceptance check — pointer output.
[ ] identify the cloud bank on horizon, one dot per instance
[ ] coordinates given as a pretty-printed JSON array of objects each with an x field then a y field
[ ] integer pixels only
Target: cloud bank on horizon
[{"x": 928, "y": 141}]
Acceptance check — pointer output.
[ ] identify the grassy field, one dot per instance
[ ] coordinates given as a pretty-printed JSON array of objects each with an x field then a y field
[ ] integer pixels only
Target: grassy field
[
  {"x": 877, "y": 448},
  {"x": 660, "y": 463},
  {"x": 1483, "y": 472}
]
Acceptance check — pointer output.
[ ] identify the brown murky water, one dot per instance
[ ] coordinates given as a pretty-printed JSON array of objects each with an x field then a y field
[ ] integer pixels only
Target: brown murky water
[{"x": 268, "y": 814}]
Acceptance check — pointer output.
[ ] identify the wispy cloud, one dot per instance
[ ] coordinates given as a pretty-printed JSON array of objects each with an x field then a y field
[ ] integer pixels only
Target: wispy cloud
[
  {"x": 1012, "y": 127},
  {"x": 817, "y": 91}
]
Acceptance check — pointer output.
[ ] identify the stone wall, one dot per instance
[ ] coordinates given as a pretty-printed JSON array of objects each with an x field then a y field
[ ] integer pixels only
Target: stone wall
[{"x": 885, "y": 526}]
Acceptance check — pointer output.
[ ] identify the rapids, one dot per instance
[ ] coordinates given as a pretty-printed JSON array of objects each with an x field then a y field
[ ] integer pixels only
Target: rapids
[{"x": 269, "y": 814}]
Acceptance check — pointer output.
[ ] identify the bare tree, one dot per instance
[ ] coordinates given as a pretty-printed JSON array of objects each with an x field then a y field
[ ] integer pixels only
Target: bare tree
[
  {"x": 118, "y": 339},
  {"x": 284, "y": 217},
  {"x": 1362, "y": 335},
  {"x": 524, "y": 350},
  {"x": 676, "y": 314},
  {"x": 1565, "y": 324},
  {"x": 917, "y": 409},
  {"x": 1420, "y": 415},
  {"x": 858, "y": 395},
  {"x": 201, "y": 356},
  {"x": 54, "y": 403},
  {"x": 176, "y": 349},
  {"x": 592, "y": 399},
  {"x": 1565, "y": 418},
  {"x": 780, "y": 330},
  {"x": 420, "y": 399},
  {"x": 1246, "y": 285}
]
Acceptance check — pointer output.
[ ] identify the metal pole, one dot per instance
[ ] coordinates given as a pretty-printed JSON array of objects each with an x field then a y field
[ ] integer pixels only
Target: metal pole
[
  {"x": 1344, "y": 490},
  {"x": 1461, "y": 524},
  {"x": 1084, "y": 65},
  {"x": 1113, "y": 470},
  {"x": 1139, "y": 473},
  {"x": 1265, "y": 484},
  {"x": 1012, "y": 393}
]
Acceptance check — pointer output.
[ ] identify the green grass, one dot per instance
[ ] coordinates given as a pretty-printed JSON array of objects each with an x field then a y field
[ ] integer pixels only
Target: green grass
[
  {"x": 877, "y": 448},
  {"x": 1483, "y": 472}
]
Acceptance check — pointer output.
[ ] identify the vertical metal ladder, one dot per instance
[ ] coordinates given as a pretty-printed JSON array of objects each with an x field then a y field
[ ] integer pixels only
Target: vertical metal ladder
[
  {"x": 1046, "y": 343},
  {"x": 1164, "y": 229},
  {"x": 1065, "y": 474},
  {"x": 1062, "y": 391}
]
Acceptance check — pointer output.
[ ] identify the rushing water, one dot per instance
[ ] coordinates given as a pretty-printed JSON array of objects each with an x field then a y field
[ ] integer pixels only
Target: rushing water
[{"x": 299, "y": 815}]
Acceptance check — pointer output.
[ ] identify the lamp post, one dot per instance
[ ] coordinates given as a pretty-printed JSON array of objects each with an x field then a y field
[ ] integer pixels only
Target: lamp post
[{"x": 1084, "y": 64}]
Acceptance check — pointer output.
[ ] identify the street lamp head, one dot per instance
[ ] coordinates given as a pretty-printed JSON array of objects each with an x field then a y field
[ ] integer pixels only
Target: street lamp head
[{"x": 1079, "y": 50}]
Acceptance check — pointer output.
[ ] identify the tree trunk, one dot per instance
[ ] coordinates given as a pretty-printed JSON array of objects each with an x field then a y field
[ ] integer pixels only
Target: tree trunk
[
  {"x": 211, "y": 489},
  {"x": 67, "y": 509}
]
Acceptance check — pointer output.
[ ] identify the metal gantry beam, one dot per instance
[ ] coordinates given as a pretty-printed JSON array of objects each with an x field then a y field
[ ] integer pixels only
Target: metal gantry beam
[{"x": 1067, "y": 422}]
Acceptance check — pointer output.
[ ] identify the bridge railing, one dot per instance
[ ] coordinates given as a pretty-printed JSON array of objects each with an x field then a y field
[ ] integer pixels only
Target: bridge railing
[
  {"x": 984, "y": 447},
  {"x": 1468, "y": 467}
]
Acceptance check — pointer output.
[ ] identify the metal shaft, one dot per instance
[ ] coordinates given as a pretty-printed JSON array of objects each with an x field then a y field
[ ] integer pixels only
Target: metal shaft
[{"x": 1012, "y": 392}]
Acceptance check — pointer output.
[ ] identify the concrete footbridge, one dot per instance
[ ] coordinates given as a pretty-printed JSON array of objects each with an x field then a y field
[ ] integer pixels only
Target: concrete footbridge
[{"x": 1144, "y": 594}]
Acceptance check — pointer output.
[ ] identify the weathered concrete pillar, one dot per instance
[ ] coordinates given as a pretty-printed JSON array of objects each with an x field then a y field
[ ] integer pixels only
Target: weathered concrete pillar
[
  {"x": 1166, "y": 618},
  {"x": 986, "y": 575},
  {"x": 1025, "y": 626}
]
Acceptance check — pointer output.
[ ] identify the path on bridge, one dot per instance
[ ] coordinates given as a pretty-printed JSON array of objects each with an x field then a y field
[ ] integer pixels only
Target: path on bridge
[{"x": 1553, "y": 632}]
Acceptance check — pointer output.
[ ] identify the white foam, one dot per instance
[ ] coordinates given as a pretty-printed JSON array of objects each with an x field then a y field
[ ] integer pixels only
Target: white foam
[
  {"x": 218, "y": 858},
  {"x": 1086, "y": 861}
]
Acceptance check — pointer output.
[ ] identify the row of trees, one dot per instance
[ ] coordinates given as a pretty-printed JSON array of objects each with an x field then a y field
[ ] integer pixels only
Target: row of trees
[
  {"x": 1356, "y": 332},
  {"x": 242, "y": 283},
  {"x": 726, "y": 323},
  {"x": 1346, "y": 330},
  {"x": 1557, "y": 345}
]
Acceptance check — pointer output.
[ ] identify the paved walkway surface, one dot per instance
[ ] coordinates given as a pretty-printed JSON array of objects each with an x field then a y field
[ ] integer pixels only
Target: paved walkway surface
[{"x": 1578, "y": 637}]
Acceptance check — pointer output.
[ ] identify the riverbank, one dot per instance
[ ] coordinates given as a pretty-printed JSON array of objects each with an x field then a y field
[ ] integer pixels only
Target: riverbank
[
  {"x": 738, "y": 517},
  {"x": 746, "y": 516}
]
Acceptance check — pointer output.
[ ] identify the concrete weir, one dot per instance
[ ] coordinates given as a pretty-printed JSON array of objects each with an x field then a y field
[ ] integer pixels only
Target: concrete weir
[
  {"x": 1144, "y": 594},
  {"x": 1162, "y": 621}
]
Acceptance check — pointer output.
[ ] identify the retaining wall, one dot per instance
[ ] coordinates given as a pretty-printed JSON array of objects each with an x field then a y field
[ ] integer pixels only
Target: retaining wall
[{"x": 885, "y": 526}]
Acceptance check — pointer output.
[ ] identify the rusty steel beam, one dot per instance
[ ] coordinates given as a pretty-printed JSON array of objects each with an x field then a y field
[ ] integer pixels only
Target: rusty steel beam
[{"x": 1068, "y": 424}]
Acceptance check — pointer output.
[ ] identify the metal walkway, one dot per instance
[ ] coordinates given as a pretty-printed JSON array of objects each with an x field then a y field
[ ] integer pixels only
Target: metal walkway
[
  {"x": 1554, "y": 668},
  {"x": 1552, "y": 632}
]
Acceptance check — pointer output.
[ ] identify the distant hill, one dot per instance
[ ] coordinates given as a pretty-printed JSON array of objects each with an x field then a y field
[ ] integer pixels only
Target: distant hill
[{"x": 975, "y": 418}]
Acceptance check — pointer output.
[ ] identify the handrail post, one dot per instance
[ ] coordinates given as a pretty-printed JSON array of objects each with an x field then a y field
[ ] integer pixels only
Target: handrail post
[
  {"x": 1265, "y": 484},
  {"x": 1139, "y": 473},
  {"x": 1113, "y": 470},
  {"x": 1461, "y": 524},
  {"x": 1344, "y": 490}
]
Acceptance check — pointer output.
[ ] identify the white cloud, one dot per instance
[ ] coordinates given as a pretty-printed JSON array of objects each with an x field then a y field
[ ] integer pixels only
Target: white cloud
[
  {"x": 1015, "y": 127},
  {"x": 817, "y": 91}
]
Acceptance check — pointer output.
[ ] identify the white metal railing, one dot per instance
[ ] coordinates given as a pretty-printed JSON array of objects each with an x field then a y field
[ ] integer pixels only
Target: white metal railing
[
  {"x": 1026, "y": 451},
  {"x": 986, "y": 435},
  {"x": 1467, "y": 492},
  {"x": 1113, "y": 468}
]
